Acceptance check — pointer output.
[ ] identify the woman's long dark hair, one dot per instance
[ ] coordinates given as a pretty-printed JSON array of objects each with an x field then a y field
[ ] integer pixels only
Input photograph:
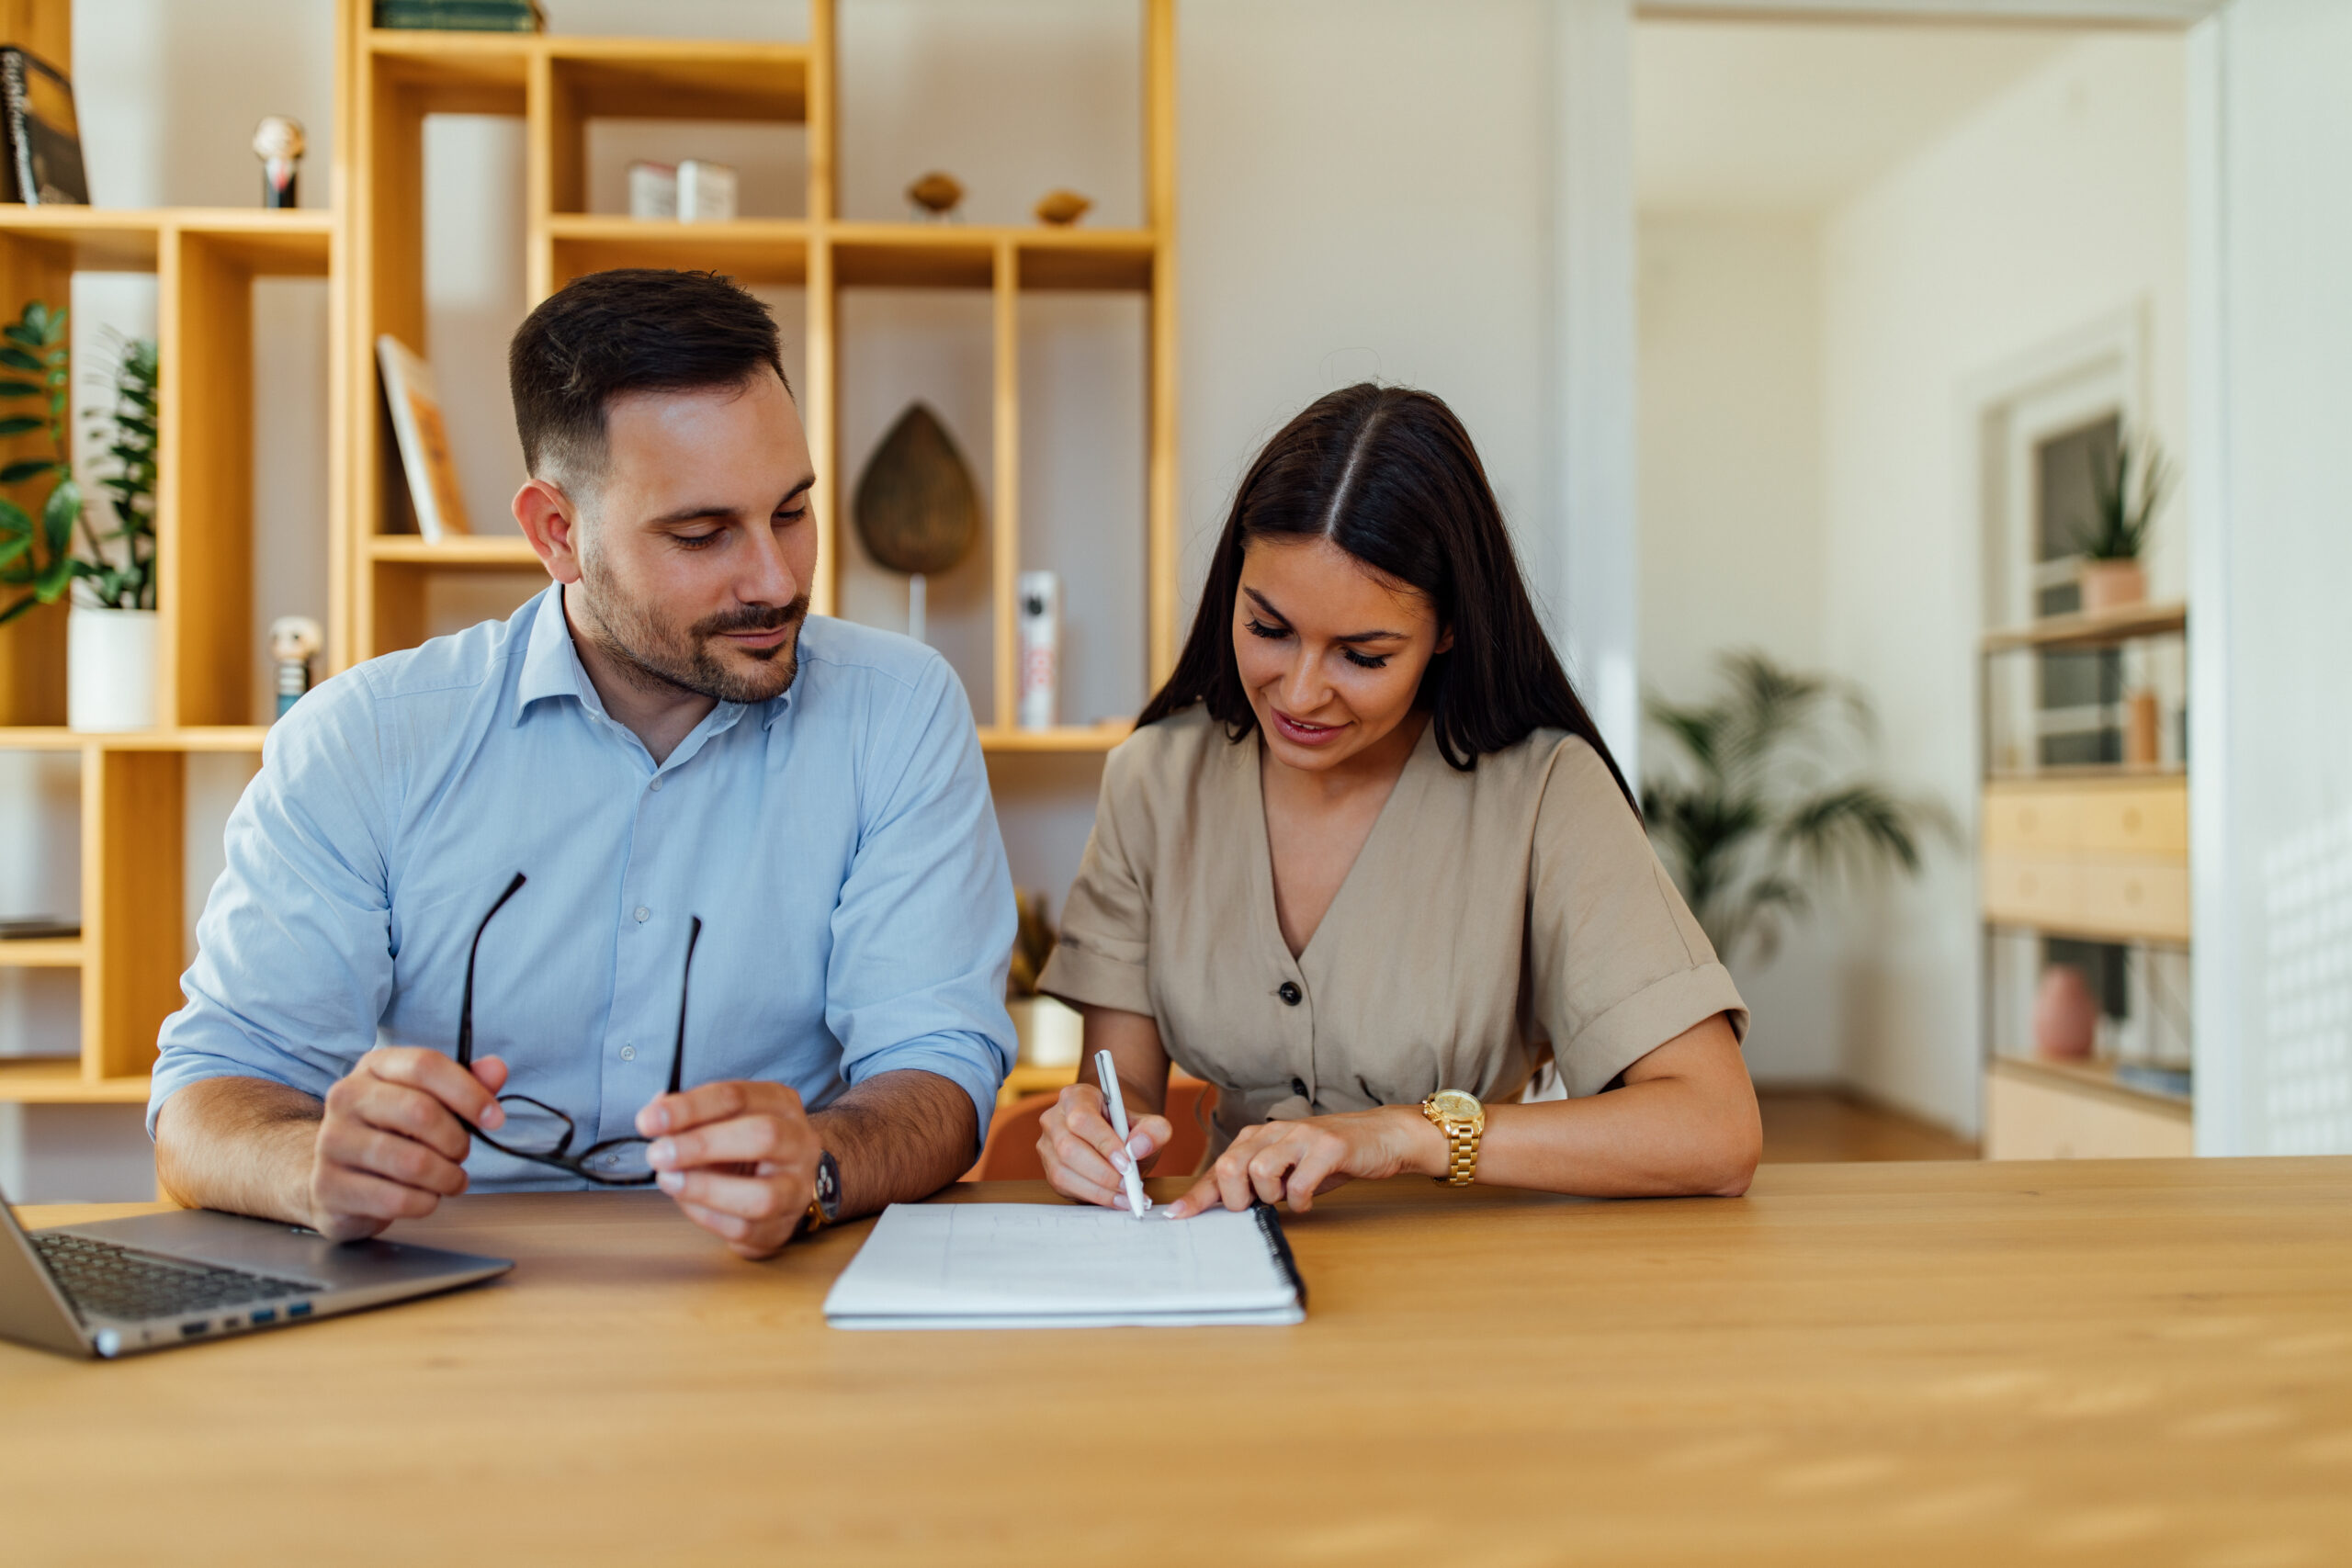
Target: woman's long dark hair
[{"x": 1390, "y": 477}]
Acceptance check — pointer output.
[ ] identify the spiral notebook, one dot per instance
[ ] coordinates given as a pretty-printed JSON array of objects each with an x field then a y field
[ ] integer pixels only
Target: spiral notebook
[{"x": 1063, "y": 1266}]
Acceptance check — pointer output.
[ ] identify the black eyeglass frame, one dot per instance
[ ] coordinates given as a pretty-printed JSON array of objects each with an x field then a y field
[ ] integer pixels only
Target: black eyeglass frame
[{"x": 560, "y": 1157}]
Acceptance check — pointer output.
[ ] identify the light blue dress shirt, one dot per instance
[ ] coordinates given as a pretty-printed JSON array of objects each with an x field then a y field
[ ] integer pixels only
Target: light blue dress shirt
[{"x": 838, "y": 843}]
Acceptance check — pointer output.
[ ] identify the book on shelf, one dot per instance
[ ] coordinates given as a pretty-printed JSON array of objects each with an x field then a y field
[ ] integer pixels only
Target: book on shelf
[
  {"x": 461, "y": 16},
  {"x": 44, "y": 144},
  {"x": 423, "y": 439}
]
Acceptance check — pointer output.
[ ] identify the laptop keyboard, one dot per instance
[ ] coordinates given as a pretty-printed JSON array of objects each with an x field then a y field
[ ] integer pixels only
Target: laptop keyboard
[{"x": 105, "y": 1281}]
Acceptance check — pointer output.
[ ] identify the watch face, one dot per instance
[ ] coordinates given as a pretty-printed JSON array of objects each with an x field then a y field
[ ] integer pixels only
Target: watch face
[
  {"x": 1455, "y": 1106},
  {"x": 828, "y": 1193}
]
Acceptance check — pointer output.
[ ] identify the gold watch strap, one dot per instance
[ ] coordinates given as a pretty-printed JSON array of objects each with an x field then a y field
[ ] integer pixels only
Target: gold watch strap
[{"x": 1462, "y": 1145}]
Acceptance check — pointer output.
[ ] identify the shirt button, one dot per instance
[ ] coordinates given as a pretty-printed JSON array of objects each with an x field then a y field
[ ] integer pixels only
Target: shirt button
[
  {"x": 1289, "y": 991},
  {"x": 643, "y": 914},
  {"x": 657, "y": 782},
  {"x": 629, "y": 1052}
]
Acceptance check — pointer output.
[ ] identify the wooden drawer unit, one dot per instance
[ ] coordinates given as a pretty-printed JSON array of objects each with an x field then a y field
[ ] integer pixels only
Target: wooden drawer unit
[
  {"x": 2134, "y": 899},
  {"x": 2035, "y": 1112},
  {"x": 2089, "y": 858},
  {"x": 2023, "y": 890},
  {"x": 2031, "y": 820},
  {"x": 2149, "y": 821}
]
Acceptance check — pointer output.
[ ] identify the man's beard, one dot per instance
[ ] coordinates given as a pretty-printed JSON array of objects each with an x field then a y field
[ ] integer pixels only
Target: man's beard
[{"x": 655, "y": 654}]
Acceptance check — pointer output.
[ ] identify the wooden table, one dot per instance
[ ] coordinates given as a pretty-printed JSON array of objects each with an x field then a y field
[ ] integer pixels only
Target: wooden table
[{"x": 2130, "y": 1362}]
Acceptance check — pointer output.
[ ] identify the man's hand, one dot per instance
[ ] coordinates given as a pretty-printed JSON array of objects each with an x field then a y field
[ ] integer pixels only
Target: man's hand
[
  {"x": 391, "y": 1145},
  {"x": 740, "y": 1158}
]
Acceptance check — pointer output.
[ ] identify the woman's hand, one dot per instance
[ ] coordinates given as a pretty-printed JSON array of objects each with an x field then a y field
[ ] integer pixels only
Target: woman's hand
[
  {"x": 1082, "y": 1153},
  {"x": 1275, "y": 1160}
]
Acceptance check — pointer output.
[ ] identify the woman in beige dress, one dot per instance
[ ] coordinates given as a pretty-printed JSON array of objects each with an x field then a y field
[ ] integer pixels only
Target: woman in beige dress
[{"x": 1367, "y": 866}]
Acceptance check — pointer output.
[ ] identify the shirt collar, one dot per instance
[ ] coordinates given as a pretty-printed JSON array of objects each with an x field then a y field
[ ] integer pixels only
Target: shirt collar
[{"x": 551, "y": 667}]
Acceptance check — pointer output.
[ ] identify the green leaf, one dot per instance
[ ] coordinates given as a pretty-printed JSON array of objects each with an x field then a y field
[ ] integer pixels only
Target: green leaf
[
  {"x": 14, "y": 519},
  {"x": 60, "y": 511},
  {"x": 25, "y": 469},
  {"x": 11, "y": 548},
  {"x": 55, "y": 580},
  {"x": 19, "y": 424},
  {"x": 19, "y": 390},
  {"x": 17, "y": 331},
  {"x": 18, "y": 359}
]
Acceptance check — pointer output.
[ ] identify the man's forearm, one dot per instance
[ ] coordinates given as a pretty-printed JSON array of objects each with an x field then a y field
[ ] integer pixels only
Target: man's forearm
[
  {"x": 899, "y": 1137},
  {"x": 241, "y": 1145}
]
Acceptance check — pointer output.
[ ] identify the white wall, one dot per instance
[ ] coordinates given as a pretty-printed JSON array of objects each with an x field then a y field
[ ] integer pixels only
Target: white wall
[
  {"x": 1732, "y": 532},
  {"x": 2271, "y": 779},
  {"x": 2062, "y": 202}
]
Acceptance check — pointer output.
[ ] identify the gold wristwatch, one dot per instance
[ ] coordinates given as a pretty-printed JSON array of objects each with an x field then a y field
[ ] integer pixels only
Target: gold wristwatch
[{"x": 1462, "y": 1119}]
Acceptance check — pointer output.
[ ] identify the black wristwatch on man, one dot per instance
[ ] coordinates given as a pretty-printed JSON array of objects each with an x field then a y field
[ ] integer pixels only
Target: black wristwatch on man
[{"x": 825, "y": 1203}]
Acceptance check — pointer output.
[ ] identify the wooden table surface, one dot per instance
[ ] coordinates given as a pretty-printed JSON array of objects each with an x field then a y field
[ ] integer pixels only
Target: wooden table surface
[{"x": 2130, "y": 1362}]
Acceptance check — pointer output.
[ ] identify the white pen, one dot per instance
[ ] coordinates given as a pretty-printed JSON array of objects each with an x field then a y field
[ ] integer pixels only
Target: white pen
[{"x": 1137, "y": 1202}]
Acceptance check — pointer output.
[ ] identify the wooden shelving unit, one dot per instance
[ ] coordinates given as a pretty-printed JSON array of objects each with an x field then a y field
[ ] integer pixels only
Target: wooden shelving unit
[
  {"x": 2096, "y": 853},
  {"x": 205, "y": 261},
  {"x": 556, "y": 85},
  {"x": 370, "y": 247}
]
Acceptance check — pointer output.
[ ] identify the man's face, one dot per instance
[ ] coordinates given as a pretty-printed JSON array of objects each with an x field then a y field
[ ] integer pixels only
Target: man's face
[{"x": 696, "y": 546}]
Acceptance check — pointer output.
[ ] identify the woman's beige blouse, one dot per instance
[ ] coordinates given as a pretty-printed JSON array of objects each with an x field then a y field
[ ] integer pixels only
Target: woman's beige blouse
[{"x": 1492, "y": 917}]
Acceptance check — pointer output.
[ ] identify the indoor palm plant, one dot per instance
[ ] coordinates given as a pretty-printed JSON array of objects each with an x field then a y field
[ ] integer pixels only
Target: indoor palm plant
[
  {"x": 111, "y": 633},
  {"x": 1756, "y": 812},
  {"x": 2115, "y": 534}
]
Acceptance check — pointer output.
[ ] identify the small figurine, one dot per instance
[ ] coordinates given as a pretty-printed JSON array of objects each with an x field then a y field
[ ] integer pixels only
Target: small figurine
[
  {"x": 278, "y": 142},
  {"x": 935, "y": 194},
  {"x": 1062, "y": 208},
  {"x": 294, "y": 640}
]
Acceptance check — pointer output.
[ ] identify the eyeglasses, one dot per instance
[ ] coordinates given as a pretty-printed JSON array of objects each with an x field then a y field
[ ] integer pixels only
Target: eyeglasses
[{"x": 537, "y": 1131}]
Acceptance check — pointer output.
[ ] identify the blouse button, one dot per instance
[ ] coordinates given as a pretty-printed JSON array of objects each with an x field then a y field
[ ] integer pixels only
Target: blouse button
[{"x": 1290, "y": 993}]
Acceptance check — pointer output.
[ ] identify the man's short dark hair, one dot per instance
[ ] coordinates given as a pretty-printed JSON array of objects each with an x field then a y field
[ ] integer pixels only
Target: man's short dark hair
[{"x": 631, "y": 330}]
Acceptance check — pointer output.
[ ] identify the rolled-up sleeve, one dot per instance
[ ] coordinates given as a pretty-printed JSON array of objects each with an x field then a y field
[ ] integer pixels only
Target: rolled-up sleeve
[
  {"x": 294, "y": 957},
  {"x": 1620, "y": 966},
  {"x": 1102, "y": 957},
  {"x": 923, "y": 935}
]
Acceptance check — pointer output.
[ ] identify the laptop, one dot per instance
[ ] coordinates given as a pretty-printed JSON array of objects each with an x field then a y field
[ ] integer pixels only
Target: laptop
[{"x": 115, "y": 1287}]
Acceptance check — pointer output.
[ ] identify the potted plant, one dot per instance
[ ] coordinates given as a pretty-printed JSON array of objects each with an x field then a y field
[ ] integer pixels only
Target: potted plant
[
  {"x": 111, "y": 633},
  {"x": 2110, "y": 575},
  {"x": 1052, "y": 1033},
  {"x": 1751, "y": 817}
]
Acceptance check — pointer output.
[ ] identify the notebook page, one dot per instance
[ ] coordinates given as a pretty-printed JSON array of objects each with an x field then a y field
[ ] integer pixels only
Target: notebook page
[{"x": 1045, "y": 1261}]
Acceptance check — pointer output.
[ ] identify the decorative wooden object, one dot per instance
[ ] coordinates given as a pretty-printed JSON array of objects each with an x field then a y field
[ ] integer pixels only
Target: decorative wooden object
[{"x": 371, "y": 245}]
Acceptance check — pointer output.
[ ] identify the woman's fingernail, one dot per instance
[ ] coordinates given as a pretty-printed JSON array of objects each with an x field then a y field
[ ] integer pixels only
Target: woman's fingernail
[
  {"x": 1121, "y": 1164},
  {"x": 493, "y": 1118},
  {"x": 1138, "y": 1145},
  {"x": 669, "y": 1181},
  {"x": 661, "y": 1152}
]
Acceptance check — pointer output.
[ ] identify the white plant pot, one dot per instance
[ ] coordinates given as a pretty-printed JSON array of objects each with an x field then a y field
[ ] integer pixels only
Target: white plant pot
[
  {"x": 110, "y": 668},
  {"x": 1052, "y": 1034}
]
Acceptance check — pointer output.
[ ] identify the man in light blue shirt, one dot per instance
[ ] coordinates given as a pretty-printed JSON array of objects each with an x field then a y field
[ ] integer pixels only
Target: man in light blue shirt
[{"x": 660, "y": 881}]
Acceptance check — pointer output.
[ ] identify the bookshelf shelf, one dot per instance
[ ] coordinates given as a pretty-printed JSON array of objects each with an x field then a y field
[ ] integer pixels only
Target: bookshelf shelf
[
  {"x": 59, "y": 1080},
  {"x": 494, "y": 551},
  {"x": 1073, "y": 739},
  {"x": 770, "y": 251},
  {"x": 45, "y": 953}
]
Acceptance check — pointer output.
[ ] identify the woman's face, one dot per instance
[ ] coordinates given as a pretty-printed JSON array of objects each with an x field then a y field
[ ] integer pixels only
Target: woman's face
[{"x": 1330, "y": 652}]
